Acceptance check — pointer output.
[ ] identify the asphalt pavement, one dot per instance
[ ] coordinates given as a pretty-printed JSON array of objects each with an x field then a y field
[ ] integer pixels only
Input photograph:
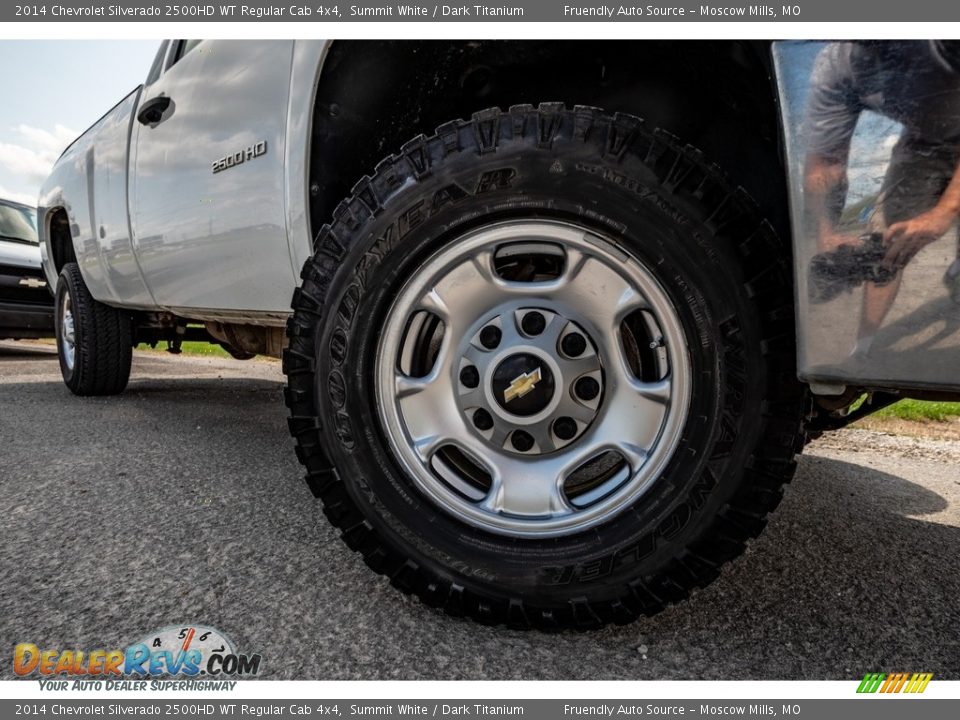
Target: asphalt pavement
[{"x": 181, "y": 501}]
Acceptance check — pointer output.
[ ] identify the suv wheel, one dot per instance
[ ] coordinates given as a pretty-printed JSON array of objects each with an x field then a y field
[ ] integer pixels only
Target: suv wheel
[
  {"x": 541, "y": 370},
  {"x": 93, "y": 340}
]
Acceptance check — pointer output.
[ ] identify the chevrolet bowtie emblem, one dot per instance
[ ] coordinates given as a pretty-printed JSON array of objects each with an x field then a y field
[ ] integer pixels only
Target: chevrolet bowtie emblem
[
  {"x": 521, "y": 385},
  {"x": 32, "y": 282}
]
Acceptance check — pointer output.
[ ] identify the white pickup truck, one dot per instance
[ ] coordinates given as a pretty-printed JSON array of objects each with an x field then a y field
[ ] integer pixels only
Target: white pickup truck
[{"x": 548, "y": 365}]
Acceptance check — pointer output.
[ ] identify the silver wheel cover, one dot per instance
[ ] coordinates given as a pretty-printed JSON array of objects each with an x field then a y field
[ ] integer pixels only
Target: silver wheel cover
[
  {"x": 637, "y": 423},
  {"x": 68, "y": 332}
]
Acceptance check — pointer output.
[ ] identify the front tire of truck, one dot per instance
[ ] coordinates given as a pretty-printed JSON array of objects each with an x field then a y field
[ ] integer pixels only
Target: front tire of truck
[
  {"x": 541, "y": 369},
  {"x": 94, "y": 340}
]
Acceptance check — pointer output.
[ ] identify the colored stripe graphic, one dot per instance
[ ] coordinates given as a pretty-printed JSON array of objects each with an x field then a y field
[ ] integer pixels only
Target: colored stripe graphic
[
  {"x": 919, "y": 682},
  {"x": 871, "y": 683},
  {"x": 894, "y": 682}
]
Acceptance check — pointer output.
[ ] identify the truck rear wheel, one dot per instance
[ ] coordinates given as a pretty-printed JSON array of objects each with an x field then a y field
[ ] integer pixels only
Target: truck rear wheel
[
  {"x": 93, "y": 340},
  {"x": 541, "y": 369}
]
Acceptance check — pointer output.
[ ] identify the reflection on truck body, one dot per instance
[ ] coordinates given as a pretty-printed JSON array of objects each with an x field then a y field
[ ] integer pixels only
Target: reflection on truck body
[{"x": 874, "y": 142}]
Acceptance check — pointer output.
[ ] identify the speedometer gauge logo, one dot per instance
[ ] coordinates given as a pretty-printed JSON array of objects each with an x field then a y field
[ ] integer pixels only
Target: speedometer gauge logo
[{"x": 178, "y": 648}]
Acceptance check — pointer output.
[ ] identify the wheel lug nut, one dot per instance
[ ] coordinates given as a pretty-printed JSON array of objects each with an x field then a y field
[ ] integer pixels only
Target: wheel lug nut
[
  {"x": 490, "y": 337},
  {"x": 573, "y": 344},
  {"x": 470, "y": 376},
  {"x": 522, "y": 441},
  {"x": 482, "y": 419},
  {"x": 586, "y": 388},
  {"x": 565, "y": 428},
  {"x": 533, "y": 323}
]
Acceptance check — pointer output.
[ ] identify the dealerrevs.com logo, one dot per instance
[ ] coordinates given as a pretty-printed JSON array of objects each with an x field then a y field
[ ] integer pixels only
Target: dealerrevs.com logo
[{"x": 172, "y": 651}]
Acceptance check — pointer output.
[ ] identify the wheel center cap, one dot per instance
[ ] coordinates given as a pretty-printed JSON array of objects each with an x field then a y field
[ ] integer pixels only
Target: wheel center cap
[{"x": 523, "y": 384}]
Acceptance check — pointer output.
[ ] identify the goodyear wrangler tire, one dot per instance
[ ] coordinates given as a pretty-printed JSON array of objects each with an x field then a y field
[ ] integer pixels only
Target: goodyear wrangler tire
[
  {"x": 93, "y": 340},
  {"x": 431, "y": 363}
]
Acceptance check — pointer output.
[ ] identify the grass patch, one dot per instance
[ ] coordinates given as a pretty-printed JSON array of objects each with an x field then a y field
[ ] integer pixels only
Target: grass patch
[
  {"x": 191, "y": 348},
  {"x": 920, "y": 411}
]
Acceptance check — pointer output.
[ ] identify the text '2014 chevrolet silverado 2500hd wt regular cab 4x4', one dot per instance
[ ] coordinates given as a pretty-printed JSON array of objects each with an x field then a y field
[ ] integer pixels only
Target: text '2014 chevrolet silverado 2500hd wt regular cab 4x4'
[{"x": 547, "y": 364}]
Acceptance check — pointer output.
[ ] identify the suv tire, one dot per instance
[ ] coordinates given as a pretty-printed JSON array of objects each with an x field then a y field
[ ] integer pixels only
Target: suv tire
[
  {"x": 94, "y": 340},
  {"x": 665, "y": 209}
]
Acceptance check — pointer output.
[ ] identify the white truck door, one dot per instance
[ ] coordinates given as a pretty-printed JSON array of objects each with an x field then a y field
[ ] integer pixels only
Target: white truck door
[{"x": 206, "y": 200}]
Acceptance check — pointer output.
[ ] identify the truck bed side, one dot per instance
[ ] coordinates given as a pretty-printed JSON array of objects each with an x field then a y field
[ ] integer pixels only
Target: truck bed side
[{"x": 90, "y": 184}]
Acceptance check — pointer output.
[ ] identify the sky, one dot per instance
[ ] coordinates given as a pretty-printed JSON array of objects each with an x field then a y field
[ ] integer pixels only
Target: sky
[{"x": 53, "y": 90}]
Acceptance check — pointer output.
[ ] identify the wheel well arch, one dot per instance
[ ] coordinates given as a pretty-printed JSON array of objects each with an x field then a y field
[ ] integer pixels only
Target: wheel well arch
[
  {"x": 60, "y": 238},
  {"x": 719, "y": 96}
]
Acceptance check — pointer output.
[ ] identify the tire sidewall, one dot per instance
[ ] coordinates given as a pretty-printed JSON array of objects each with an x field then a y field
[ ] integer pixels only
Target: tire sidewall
[{"x": 65, "y": 287}]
